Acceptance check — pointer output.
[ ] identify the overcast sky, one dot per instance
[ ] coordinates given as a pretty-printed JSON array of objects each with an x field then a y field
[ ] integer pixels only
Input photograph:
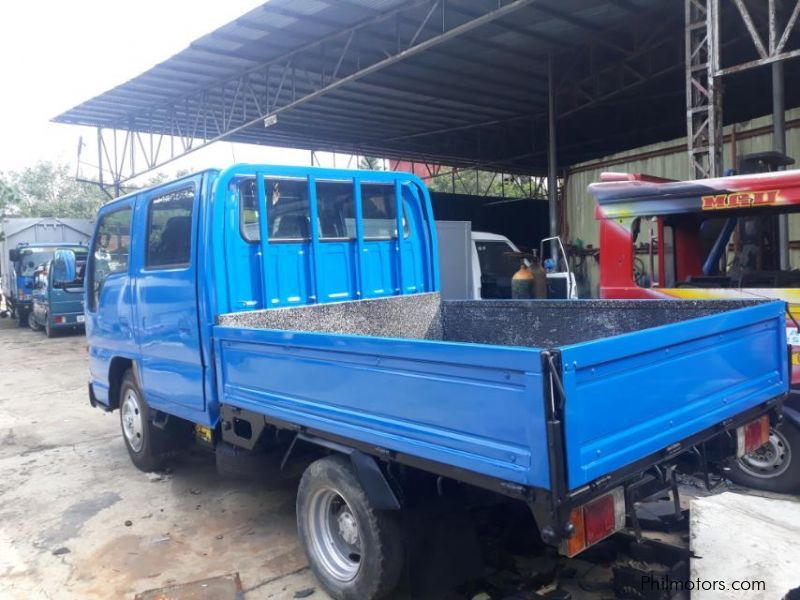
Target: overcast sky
[{"x": 56, "y": 54}]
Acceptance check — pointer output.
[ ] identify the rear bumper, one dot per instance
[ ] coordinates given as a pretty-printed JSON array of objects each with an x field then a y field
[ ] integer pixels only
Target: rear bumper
[{"x": 70, "y": 320}]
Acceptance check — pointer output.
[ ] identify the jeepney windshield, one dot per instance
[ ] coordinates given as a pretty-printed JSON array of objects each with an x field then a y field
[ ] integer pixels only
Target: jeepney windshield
[{"x": 734, "y": 250}]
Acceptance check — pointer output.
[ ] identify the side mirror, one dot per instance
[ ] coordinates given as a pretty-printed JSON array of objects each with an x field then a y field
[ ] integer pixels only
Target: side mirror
[
  {"x": 63, "y": 267},
  {"x": 13, "y": 255}
]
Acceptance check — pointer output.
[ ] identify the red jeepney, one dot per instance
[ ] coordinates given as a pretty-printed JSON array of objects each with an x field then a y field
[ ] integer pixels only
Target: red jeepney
[{"x": 705, "y": 239}]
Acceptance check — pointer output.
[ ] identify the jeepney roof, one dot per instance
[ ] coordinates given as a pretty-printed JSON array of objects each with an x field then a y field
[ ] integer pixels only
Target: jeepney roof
[{"x": 621, "y": 195}]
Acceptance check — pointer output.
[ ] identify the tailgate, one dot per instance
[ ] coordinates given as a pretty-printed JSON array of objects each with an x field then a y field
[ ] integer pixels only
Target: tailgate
[{"x": 635, "y": 394}]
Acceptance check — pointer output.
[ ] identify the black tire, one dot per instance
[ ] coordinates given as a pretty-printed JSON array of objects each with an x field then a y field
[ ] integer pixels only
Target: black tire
[
  {"x": 49, "y": 331},
  {"x": 32, "y": 322},
  {"x": 780, "y": 475},
  {"x": 22, "y": 317},
  {"x": 140, "y": 440},
  {"x": 329, "y": 492}
]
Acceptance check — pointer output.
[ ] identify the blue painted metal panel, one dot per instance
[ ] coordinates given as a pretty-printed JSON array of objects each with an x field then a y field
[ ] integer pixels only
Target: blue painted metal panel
[
  {"x": 307, "y": 271},
  {"x": 109, "y": 325},
  {"x": 634, "y": 394},
  {"x": 470, "y": 406},
  {"x": 166, "y": 315}
]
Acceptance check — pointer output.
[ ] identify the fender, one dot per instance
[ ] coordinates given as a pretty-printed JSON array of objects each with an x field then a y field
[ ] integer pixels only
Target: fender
[{"x": 368, "y": 472}]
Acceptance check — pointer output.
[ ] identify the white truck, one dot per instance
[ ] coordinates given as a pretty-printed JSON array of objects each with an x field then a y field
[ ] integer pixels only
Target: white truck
[{"x": 478, "y": 265}]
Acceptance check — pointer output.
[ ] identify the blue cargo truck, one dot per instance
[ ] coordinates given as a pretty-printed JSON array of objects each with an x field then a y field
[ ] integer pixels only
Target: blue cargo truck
[{"x": 260, "y": 310}]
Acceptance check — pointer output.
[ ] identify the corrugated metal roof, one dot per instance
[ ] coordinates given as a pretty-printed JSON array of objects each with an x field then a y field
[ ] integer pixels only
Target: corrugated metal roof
[{"x": 478, "y": 98}]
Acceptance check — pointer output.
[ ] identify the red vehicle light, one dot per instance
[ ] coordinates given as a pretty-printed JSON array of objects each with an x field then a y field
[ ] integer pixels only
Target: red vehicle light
[
  {"x": 59, "y": 319},
  {"x": 752, "y": 436},
  {"x": 595, "y": 521}
]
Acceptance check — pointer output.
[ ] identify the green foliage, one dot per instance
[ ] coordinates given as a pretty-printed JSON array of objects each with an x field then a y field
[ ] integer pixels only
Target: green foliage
[
  {"x": 9, "y": 196},
  {"x": 481, "y": 183},
  {"x": 370, "y": 163},
  {"x": 48, "y": 190}
]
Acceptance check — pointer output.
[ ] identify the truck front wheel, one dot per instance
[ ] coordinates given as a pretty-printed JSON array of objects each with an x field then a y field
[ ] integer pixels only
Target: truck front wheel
[
  {"x": 775, "y": 467},
  {"x": 355, "y": 551},
  {"x": 32, "y": 322},
  {"x": 137, "y": 429}
]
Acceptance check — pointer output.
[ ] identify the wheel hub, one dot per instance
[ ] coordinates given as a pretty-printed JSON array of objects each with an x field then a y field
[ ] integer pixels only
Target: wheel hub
[
  {"x": 348, "y": 528},
  {"x": 334, "y": 537},
  {"x": 771, "y": 460},
  {"x": 132, "y": 422}
]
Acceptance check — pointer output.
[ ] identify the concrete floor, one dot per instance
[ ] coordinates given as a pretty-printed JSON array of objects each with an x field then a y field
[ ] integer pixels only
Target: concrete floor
[{"x": 68, "y": 486}]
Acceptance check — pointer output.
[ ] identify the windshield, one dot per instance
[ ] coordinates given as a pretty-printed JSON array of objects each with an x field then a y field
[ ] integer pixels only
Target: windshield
[
  {"x": 744, "y": 252},
  {"x": 497, "y": 268},
  {"x": 32, "y": 258}
]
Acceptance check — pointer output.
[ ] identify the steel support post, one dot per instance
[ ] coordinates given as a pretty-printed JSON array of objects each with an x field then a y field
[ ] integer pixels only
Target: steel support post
[
  {"x": 703, "y": 90},
  {"x": 779, "y": 145},
  {"x": 552, "y": 158}
]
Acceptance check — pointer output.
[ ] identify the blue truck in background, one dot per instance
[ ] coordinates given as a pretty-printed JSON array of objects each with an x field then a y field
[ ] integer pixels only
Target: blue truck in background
[
  {"x": 24, "y": 260},
  {"x": 26, "y": 243},
  {"x": 58, "y": 293},
  {"x": 270, "y": 311}
]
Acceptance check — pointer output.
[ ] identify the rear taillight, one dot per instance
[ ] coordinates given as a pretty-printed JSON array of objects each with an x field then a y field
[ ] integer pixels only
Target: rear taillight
[
  {"x": 752, "y": 436},
  {"x": 595, "y": 520}
]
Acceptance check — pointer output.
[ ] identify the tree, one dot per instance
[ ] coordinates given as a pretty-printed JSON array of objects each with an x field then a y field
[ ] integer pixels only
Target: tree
[
  {"x": 370, "y": 163},
  {"x": 9, "y": 196},
  {"x": 49, "y": 190}
]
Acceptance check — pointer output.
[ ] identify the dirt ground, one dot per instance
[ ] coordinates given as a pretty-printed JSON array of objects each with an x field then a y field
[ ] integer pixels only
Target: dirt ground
[{"x": 78, "y": 520}]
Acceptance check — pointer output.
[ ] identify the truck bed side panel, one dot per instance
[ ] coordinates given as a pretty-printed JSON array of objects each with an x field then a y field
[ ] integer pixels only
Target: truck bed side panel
[
  {"x": 638, "y": 393},
  {"x": 468, "y": 406}
]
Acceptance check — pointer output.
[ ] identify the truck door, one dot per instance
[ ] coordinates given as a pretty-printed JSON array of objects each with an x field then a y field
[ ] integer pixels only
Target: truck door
[
  {"x": 108, "y": 294},
  {"x": 165, "y": 267}
]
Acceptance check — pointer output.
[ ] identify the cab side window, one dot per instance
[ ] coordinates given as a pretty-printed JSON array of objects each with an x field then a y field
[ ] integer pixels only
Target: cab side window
[
  {"x": 169, "y": 230},
  {"x": 336, "y": 209},
  {"x": 110, "y": 251},
  {"x": 288, "y": 213}
]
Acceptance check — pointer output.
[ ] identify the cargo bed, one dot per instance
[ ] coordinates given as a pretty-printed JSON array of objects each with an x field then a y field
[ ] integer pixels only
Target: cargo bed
[{"x": 466, "y": 383}]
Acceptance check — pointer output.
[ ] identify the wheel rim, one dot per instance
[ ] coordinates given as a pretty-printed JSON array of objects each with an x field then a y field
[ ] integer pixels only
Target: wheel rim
[
  {"x": 771, "y": 460},
  {"x": 334, "y": 535},
  {"x": 132, "y": 424}
]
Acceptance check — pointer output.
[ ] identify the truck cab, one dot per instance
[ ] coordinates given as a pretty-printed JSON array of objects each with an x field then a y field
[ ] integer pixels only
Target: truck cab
[
  {"x": 148, "y": 304},
  {"x": 58, "y": 303}
]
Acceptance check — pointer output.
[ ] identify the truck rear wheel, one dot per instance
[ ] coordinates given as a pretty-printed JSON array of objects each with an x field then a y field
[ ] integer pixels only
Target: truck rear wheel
[
  {"x": 355, "y": 551},
  {"x": 32, "y": 322},
  {"x": 22, "y": 317},
  {"x": 775, "y": 467},
  {"x": 137, "y": 429}
]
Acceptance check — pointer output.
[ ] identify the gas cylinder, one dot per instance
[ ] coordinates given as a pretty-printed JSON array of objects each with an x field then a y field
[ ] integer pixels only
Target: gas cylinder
[
  {"x": 522, "y": 283},
  {"x": 539, "y": 278}
]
